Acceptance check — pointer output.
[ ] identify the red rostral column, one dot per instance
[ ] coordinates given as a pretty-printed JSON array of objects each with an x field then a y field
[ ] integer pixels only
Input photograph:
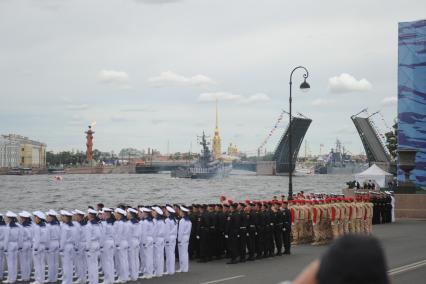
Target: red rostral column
[{"x": 89, "y": 144}]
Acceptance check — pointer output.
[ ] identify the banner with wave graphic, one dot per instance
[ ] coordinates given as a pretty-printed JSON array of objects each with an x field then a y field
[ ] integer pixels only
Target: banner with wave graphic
[{"x": 412, "y": 95}]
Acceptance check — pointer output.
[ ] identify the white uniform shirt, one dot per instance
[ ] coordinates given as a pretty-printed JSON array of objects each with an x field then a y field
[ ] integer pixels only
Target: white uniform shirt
[{"x": 184, "y": 230}]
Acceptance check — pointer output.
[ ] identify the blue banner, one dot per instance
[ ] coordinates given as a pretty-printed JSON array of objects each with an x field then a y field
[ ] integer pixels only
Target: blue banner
[{"x": 412, "y": 95}]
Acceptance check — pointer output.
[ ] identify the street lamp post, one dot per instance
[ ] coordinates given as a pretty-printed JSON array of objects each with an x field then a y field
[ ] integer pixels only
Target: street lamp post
[{"x": 304, "y": 87}]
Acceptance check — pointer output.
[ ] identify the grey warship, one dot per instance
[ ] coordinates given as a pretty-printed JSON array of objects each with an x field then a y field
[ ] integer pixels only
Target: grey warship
[{"x": 205, "y": 168}]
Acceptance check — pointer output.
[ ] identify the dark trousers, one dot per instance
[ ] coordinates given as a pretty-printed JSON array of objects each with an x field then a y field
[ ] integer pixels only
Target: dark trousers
[
  {"x": 278, "y": 236},
  {"x": 269, "y": 242},
  {"x": 243, "y": 244},
  {"x": 259, "y": 241},
  {"x": 204, "y": 244},
  {"x": 287, "y": 238},
  {"x": 233, "y": 246},
  {"x": 220, "y": 248},
  {"x": 251, "y": 240}
]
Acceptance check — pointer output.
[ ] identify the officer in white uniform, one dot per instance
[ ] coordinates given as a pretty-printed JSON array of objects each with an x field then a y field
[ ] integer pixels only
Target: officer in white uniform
[
  {"x": 40, "y": 237},
  {"x": 92, "y": 245},
  {"x": 107, "y": 246},
  {"x": 147, "y": 243},
  {"x": 134, "y": 243},
  {"x": 121, "y": 244},
  {"x": 184, "y": 232},
  {"x": 159, "y": 236},
  {"x": 25, "y": 252},
  {"x": 170, "y": 240},
  {"x": 54, "y": 234},
  {"x": 68, "y": 242},
  {"x": 80, "y": 259},
  {"x": 3, "y": 229},
  {"x": 12, "y": 242}
]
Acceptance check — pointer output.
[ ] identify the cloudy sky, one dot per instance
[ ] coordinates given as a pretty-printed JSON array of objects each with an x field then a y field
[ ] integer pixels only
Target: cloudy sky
[{"x": 149, "y": 71}]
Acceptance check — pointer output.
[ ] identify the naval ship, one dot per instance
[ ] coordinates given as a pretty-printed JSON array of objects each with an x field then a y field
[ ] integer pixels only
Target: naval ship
[
  {"x": 339, "y": 162},
  {"x": 205, "y": 168}
]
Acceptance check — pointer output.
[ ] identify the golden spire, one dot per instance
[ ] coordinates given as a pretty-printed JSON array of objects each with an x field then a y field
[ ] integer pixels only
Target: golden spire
[
  {"x": 216, "y": 139},
  {"x": 217, "y": 119}
]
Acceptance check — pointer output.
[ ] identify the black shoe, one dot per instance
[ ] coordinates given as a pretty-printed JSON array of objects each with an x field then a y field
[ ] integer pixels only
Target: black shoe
[
  {"x": 232, "y": 262},
  {"x": 251, "y": 258},
  {"x": 287, "y": 252},
  {"x": 202, "y": 261},
  {"x": 242, "y": 260},
  {"x": 279, "y": 254}
]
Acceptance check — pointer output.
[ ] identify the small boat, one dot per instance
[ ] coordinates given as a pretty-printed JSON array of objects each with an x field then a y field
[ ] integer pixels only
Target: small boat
[{"x": 20, "y": 171}]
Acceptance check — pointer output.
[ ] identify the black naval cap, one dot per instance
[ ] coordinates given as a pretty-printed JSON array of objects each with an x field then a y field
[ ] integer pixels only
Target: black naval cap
[
  {"x": 204, "y": 206},
  {"x": 234, "y": 205},
  {"x": 226, "y": 205}
]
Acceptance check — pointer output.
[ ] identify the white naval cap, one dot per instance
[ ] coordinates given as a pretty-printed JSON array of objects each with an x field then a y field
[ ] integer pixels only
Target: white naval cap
[
  {"x": 92, "y": 211},
  {"x": 66, "y": 213},
  {"x": 39, "y": 214},
  {"x": 25, "y": 214},
  {"x": 11, "y": 214},
  {"x": 158, "y": 210},
  {"x": 120, "y": 211},
  {"x": 184, "y": 209},
  {"x": 78, "y": 212},
  {"x": 144, "y": 209},
  {"x": 170, "y": 209},
  {"x": 132, "y": 210},
  {"x": 52, "y": 212},
  {"x": 106, "y": 209}
]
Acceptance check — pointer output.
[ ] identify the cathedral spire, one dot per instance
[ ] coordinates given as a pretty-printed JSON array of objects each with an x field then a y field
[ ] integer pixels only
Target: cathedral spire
[{"x": 217, "y": 151}]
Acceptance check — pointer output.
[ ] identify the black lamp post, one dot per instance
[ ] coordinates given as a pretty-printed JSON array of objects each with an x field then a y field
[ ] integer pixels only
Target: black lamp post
[{"x": 304, "y": 87}]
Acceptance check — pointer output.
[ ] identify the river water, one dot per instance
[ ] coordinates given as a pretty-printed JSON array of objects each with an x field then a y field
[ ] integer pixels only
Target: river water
[{"x": 42, "y": 192}]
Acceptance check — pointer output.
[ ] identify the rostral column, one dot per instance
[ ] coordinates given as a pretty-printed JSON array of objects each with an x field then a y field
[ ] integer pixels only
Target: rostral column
[{"x": 89, "y": 144}]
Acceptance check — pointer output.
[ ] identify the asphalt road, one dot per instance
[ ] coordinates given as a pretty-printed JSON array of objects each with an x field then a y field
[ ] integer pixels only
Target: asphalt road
[{"x": 404, "y": 243}]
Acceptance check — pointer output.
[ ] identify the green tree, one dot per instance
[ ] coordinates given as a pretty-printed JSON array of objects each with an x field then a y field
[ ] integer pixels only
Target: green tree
[{"x": 392, "y": 140}]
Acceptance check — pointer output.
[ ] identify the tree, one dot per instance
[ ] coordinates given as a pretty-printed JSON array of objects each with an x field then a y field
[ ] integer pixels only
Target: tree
[{"x": 392, "y": 140}]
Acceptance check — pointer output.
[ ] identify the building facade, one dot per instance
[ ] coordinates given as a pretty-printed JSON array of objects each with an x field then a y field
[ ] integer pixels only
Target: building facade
[{"x": 19, "y": 151}]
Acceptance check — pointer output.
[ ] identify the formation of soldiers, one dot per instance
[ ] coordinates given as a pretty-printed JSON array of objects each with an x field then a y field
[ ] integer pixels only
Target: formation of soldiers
[
  {"x": 122, "y": 244},
  {"x": 239, "y": 231},
  {"x": 320, "y": 218},
  {"x": 383, "y": 211}
]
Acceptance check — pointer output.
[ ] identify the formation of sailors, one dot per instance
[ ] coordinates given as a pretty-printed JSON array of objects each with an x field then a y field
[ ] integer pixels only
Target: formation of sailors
[{"x": 124, "y": 244}]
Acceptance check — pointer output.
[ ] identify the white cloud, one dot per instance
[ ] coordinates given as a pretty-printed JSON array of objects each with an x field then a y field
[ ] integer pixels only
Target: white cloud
[
  {"x": 260, "y": 97},
  {"x": 227, "y": 96},
  {"x": 170, "y": 78},
  {"x": 77, "y": 107},
  {"x": 158, "y": 1},
  {"x": 345, "y": 83},
  {"x": 221, "y": 96},
  {"x": 113, "y": 77},
  {"x": 390, "y": 101},
  {"x": 322, "y": 102}
]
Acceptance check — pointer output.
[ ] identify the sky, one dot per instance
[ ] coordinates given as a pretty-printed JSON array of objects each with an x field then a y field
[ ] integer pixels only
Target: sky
[{"x": 149, "y": 71}]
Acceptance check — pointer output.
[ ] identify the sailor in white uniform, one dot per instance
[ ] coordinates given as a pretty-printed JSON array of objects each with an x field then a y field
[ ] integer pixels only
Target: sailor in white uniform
[
  {"x": 184, "y": 232},
  {"x": 3, "y": 229},
  {"x": 80, "y": 259},
  {"x": 134, "y": 243},
  {"x": 147, "y": 243},
  {"x": 68, "y": 242},
  {"x": 54, "y": 234},
  {"x": 92, "y": 245},
  {"x": 170, "y": 240},
  {"x": 40, "y": 238},
  {"x": 107, "y": 245},
  {"x": 25, "y": 255},
  {"x": 12, "y": 242},
  {"x": 159, "y": 236},
  {"x": 122, "y": 245}
]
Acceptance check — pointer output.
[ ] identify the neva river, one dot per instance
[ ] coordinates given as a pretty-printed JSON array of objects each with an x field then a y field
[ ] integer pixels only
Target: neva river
[{"x": 78, "y": 191}]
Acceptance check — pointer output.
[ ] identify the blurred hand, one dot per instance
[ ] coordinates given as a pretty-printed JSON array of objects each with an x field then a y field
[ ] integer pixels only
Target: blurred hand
[{"x": 308, "y": 275}]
